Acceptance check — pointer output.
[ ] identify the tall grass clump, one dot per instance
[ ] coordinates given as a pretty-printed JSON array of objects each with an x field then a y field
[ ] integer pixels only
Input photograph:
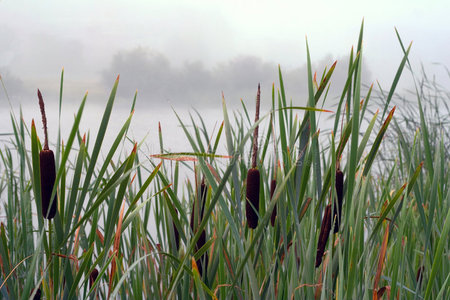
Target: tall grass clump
[{"x": 129, "y": 225}]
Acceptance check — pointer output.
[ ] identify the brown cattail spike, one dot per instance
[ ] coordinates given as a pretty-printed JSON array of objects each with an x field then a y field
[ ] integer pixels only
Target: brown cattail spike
[
  {"x": 340, "y": 195},
  {"x": 324, "y": 233},
  {"x": 38, "y": 295},
  {"x": 273, "y": 185},
  {"x": 419, "y": 275},
  {"x": 380, "y": 292},
  {"x": 47, "y": 168},
  {"x": 202, "y": 262},
  {"x": 48, "y": 175},
  {"x": 252, "y": 198},
  {"x": 93, "y": 277}
]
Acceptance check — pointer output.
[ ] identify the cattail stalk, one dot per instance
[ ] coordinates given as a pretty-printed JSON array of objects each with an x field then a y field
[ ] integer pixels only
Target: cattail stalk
[
  {"x": 340, "y": 195},
  {"x": 324, "y": 233},
  {"x": 48, "y": 171},
  {"x": 253, "y": 177},
  {"x": 93, "y": 277}
]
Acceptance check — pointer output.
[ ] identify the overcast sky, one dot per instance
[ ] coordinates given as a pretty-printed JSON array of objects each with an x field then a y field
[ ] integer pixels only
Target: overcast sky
[{"x": 189, "y": 51}]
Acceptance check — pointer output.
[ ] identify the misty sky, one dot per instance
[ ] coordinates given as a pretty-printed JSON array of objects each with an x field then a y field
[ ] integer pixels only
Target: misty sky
[{"x": 176, "y": 52}]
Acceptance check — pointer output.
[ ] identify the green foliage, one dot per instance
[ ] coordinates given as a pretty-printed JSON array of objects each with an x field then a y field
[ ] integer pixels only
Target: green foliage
[{"x": 128, "y": 215}]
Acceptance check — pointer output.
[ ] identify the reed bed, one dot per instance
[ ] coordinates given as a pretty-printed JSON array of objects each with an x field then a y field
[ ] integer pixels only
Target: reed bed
[{"x": 128, "y": 226}]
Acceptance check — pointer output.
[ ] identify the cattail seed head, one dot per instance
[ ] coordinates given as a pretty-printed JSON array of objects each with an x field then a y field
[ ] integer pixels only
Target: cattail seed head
[
  {"x": 324, "y": 233},
  {"x": 48, "y": 175},
  {"x": 38, "y": 295},
  {"x": 93, "y": 277},
  {"x": 340, "y": 195},
  {"x": 47, "y": 168},
  {"x": 419, "y": 275},
  {"x": 252, "y": 198},
  {"x": 380, "y": 292},
  {"x": 273, "y": 185},
  {"x": 202, "y": 262},
  {"x": 253, "y": 180}
]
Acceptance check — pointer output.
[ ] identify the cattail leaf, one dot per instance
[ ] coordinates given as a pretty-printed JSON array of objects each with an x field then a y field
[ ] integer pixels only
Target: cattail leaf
[
  {"x": 380, "y": 262},
  {"x": 324, "y": 234},
  {"x": 306, "y": 108},
  {"x": 98, "y": 143},
  {"x": 353, "y": 64},
  {"x": 143, "y": 189},
  {"x": 124, "y": 275},
  {"x": 376, "y": 143},
  {"x": 75, "y": 185},
  {"x": 367, "y": 134},
  {"x": 36, "y": 170},
  {"x": 70, "y": 140},
  {"x": 396, "y": 80},
  {"x": 116, "y": 249},
  {"x": 187, "y": 156},
  {"x": 339, "y": 185},
  {"x": 219, "y": 135},
  {"x": 324, "y": 82},
  {"x": 352, "y": 164},
  {"x": 83, "y": 268},
  {"x": 386, "y": 210},
  {"x": 443, "y": 241},
  {"x": 282, "y": 126},
  {"x": 366, "y": 101}
]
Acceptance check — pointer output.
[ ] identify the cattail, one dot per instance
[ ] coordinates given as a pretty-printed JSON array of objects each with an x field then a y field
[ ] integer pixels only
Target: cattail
[
  {"x": 323, "y": 236},
  {"x": 273, "y": 185},
  {"x": 340, "y": 194},
  {"x": 37, "y": 296},
  {"x": 252, "y": 195},
  {"x": 93, "y": 277},
  {"x": 253, "y": 178},
  {"x": 380, "y": 292},
  {"x": 419, "y": 275},
  {"x": 177, "y": 234},
  {"x": 48, "y": 173},
  {"x": 202, "y": 262}
]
